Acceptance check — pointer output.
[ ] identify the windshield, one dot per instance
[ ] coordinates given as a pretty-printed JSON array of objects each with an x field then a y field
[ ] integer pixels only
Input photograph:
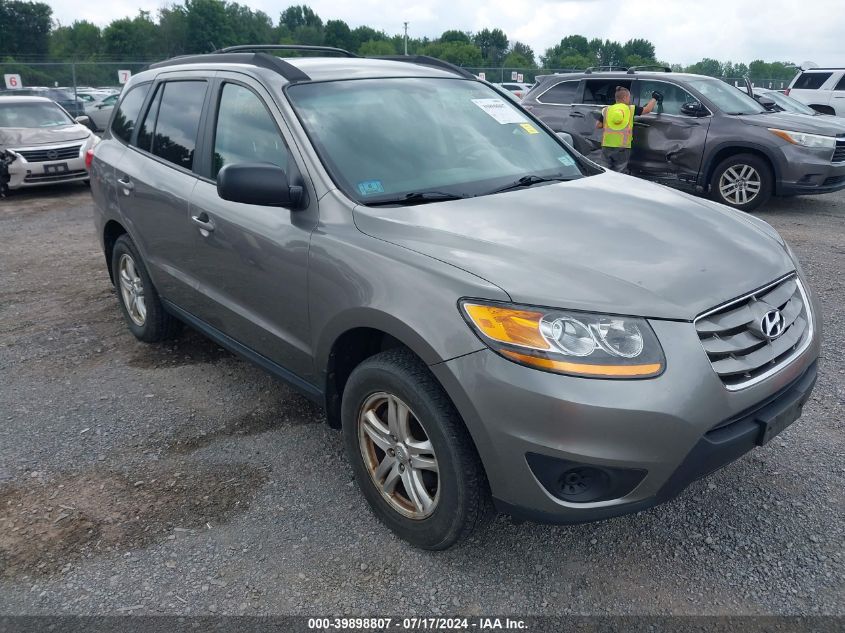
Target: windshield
[
  {"x": 38, "y": 114},
  {"x": 382, "y": 139},
  {"x": 725, "y": 97},
  {"x": 788, "y": 103}
]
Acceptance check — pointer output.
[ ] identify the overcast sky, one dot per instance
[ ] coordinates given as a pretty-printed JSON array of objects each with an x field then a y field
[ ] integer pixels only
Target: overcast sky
[{"x": 683, "y": 31}]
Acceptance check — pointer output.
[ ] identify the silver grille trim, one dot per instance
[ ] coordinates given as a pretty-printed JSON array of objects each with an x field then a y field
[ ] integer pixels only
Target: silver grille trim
[{"x": 740, "y": 355}]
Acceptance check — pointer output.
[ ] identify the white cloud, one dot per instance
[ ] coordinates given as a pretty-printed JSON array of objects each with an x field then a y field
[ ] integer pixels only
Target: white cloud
[{"x": 683, "y": 31}]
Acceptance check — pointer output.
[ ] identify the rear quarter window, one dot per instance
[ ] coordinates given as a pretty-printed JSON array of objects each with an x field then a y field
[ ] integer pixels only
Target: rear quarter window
[
  {"x": 127, "y": 114},
  {"x": 562, "y": 93},
  {"x": 811, "y": 81}
]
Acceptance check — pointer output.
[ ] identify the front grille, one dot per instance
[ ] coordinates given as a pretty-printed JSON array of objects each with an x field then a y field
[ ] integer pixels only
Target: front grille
[
  {"x": 839, "y": 152},
  {"x": 67, "y": 175},
  {"x": 53, "y": 153},
  {"x": 732, "y": 334}
]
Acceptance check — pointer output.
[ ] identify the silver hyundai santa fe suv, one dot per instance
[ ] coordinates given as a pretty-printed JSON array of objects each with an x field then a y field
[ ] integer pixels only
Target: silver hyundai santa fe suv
[{"x": 492, "y": 320}]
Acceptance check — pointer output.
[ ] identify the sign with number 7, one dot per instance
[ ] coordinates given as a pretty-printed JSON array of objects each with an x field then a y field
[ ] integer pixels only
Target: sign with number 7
[
  {"x": 13, "y": 82},
  {"x": 123, "y": 76}
]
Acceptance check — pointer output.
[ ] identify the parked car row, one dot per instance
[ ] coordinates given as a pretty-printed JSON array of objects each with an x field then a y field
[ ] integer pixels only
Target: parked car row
[{"x": 823, "y": 89}]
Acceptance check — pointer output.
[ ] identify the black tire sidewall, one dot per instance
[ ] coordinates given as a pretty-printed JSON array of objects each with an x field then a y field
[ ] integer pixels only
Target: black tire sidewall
[
  {"x": 766, "y": 181},
  {"x": 448, "y": 522},
  {"x": 150, "y": 331}
]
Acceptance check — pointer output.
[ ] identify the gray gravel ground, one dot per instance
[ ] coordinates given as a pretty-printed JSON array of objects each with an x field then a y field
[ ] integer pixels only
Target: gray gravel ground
[{"x": 178, "y": 479}]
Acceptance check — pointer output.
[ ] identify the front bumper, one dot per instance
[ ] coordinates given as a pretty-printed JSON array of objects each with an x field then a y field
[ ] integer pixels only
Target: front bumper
[
  {"x": 36, "y": 173},
  {"x": 658, "y": 433},
  {"x": 809, "y": 172}
]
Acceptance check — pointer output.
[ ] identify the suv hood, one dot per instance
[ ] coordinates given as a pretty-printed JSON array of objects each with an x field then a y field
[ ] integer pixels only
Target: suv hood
[
  {"x": 828, "y": 126},
  {"x": 607, "y": 243},
  {"x": 13, "y": 137}
]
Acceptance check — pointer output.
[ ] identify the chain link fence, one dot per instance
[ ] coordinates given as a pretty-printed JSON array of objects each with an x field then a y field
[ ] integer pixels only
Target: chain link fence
[{"x": 69, "y": 75}]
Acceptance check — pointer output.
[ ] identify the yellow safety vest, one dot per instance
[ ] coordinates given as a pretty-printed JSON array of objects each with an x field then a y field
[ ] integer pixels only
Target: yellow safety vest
[{"x": 618, "y": 126}]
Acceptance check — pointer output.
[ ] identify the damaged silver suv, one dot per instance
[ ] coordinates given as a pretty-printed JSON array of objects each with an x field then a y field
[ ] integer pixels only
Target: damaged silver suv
[{"x": 492, "y": 320}]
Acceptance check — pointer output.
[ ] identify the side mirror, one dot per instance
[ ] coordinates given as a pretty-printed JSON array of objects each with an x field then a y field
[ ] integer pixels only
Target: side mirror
[
  {"x": 258, "y": 183},
  {"x": 767, "y": 103},
  {"x": 83, "y": 120},
  {"x": 565, "y": 137},
  {"x": 693, "y": 108}
]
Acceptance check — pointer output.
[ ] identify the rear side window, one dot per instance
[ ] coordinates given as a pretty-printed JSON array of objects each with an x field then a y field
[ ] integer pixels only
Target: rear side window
[
  {"x": 603, "y": 91},
  {"x": 172, "y": 122},
  {"x": 245, "y": 131},
  {"x": 811, "y": 81},
  {"x": 841, "y": 84},
  {"x": 563, "y": 93},
  {"x": 128, "y": 112}
]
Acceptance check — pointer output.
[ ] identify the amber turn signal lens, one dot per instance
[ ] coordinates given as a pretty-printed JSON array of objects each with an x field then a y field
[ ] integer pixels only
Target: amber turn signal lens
[
  {"x": 508, "y": 325},
  {"x": 585, "y": 369}
]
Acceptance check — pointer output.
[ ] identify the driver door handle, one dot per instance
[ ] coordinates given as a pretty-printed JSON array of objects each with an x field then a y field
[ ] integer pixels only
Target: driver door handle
[{"x": 203, "y": 221}]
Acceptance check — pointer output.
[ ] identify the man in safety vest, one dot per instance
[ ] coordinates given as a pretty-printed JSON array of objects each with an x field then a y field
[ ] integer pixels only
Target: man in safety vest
[{"x": 617, "y": 121}]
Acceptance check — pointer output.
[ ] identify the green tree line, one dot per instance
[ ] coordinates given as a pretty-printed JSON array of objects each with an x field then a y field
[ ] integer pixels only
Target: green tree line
[{"x": 198, "y": 26}]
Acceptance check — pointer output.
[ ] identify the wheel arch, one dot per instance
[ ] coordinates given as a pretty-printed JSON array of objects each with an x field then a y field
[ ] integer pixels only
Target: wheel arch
[
  {"x": 354, "y": 336},
  {"x": 727, "y": 150},
  {"x": 111, "y": 232}
]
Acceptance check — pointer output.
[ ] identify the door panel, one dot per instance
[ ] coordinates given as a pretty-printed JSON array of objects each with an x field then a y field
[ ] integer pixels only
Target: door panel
[
  {"x": 252, "y": 268},
  {"x": 667, "y": 146},
  {"x": 155, "y": 187}
]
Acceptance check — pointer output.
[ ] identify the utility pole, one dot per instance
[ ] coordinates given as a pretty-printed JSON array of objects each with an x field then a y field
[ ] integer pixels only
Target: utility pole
[{"x": 406, "y": 38}]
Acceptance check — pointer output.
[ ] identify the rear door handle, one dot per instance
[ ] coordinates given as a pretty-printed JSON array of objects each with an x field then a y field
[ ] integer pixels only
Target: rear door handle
[
  {"x": 127, "y": 185},
  {"x": 204, "y": 222},
  {"x": 576, "y": 114}
]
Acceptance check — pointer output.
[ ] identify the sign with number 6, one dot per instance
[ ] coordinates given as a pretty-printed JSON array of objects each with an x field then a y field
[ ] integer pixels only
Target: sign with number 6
[
  {"x": 123, "y": 76},
  {"x": 13, "y": 82}
]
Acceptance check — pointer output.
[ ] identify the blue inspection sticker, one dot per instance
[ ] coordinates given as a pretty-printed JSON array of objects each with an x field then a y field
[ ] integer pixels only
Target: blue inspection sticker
[
  {"x": 567, "y": 160},
  {"x": 370, "y": 187}
]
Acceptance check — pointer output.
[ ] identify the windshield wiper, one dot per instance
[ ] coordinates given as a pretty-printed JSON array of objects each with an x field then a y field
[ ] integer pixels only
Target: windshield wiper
[
  {"x": 527, "y": 181},
  {"x": 418, "y": 197}
]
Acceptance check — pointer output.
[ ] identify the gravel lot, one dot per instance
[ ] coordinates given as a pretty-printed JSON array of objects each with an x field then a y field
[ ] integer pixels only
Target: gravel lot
[{"x": 179, "y": 479}]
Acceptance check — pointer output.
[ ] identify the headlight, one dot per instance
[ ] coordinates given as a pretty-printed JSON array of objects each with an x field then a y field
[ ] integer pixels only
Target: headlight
[
  {"x": 568, "y": 342},
  {"x": 814, "y": 141}
]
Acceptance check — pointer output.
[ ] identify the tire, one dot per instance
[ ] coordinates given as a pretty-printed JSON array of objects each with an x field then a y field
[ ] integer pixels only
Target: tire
[
  {"x": 458, "y": 489},
  {"x": 751, "y": 174},
  {"x": 147, "y": 320}
]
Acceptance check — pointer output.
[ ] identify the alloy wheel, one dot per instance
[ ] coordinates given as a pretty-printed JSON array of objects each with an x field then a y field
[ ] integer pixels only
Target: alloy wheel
[
  {"x": 132, "y": 290},
  {"x": 740, "y": 184},
  {"x": 399, "y": 455}
]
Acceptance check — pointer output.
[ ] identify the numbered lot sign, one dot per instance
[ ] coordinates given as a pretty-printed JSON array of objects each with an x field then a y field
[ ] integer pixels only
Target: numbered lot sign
[
  {"x": 482, "y": 76},
  {"x": 123, "y": 76},
  {"x": 519, "y": 78},
  {"x": 513, "y": 75},
  {"x": 13, "y": 82}
]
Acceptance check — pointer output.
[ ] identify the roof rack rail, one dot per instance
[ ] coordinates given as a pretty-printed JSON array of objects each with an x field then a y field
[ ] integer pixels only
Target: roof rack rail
[
  {"x": 425, "y": 60},
  {"x": 262, "y": 60},
  {"x": 661, "y": 67},
  {"x": 593, "y": 69},
  {"x": 285, "y": 47}
]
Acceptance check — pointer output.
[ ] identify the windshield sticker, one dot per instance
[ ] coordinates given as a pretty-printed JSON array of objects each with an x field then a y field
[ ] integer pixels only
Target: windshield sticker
[
  {"x": 529, "y": 128},
  {"x": 500, "y": 110},
  {"x": 566, "y": 159},
  {"x": 370, "y": 187}
]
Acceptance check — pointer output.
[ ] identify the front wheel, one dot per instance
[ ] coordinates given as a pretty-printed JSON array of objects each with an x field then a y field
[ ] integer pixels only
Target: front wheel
[
  {"x": 411, "y": 453},
  {"x": 743, "y": 181}
]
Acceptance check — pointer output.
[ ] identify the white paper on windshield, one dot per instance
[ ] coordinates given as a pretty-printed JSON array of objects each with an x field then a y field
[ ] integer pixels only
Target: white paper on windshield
[{"x": 500, "y": 110}]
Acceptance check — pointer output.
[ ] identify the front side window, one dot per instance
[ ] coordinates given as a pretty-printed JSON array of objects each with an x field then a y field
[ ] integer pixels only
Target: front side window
[
  {"x": 841, "y": 84},
  {"x": 811, "y": 81},
  {"x": 385, "y": 138},
  {"x": 33, "y": 114},
  {"x": 562, "y": 93},
  {"x": 245, "y": 131},
  {"x": 128, "y": 112},
  {"x": 673, "y": 95},
  {"x": 726, "y": 97}
]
